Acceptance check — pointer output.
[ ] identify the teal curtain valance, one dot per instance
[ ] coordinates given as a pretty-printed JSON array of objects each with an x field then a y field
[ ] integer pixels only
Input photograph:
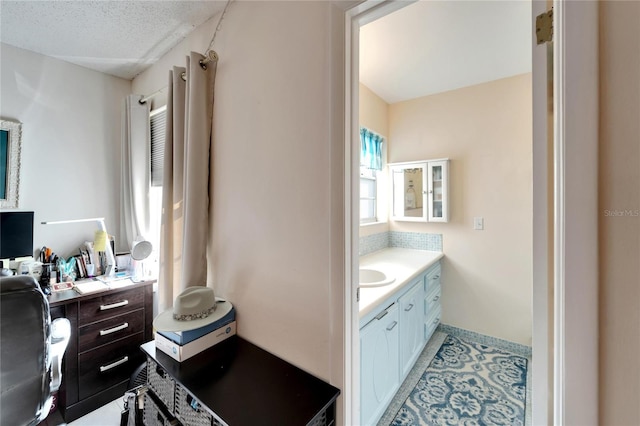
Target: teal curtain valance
[{"x": 370, "y": 149}]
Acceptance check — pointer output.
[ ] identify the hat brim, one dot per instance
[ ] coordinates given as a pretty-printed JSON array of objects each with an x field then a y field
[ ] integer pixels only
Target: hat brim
[{"x": 166, "y": 322}]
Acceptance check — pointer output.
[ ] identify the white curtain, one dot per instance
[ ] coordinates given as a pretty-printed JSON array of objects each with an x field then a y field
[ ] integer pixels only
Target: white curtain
[
  {"x": 185, "y": 186},
  {"x": 136, "y": 174}
]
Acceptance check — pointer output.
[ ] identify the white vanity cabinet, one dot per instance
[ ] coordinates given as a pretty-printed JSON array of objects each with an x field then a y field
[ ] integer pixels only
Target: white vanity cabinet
[
  {"x": 392, "y": 338},
  {"x": 420, "y": 191},
  {"x": 412, "y": 317},
  {"x": 433, "y": 310},
  {"x": 379, "y": 375}
]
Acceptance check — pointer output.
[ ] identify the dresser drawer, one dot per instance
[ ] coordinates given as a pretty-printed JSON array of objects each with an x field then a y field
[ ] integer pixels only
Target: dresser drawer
[
  {"x": 108, "y": 365},
  {"x": 106, "y": 331},
  {"x": 110, "y": 305}
]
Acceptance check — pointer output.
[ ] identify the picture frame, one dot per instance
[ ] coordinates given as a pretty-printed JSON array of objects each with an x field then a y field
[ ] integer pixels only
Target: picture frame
[{"x": 10, "y": 151}]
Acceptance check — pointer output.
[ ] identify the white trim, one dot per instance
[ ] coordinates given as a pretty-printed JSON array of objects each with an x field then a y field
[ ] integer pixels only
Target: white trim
[
  {"x": 576, "y": 213},
  {"x": 541, "y": 363},
  {"x": 559, "y": 215}
]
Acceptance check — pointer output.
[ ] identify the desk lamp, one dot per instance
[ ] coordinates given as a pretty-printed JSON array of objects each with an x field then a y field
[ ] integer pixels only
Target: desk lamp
[{"x": 111, "y": 261}]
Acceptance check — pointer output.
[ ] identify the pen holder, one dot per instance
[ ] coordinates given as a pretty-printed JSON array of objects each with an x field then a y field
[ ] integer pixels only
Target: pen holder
[{"x": 48, "y": 274}]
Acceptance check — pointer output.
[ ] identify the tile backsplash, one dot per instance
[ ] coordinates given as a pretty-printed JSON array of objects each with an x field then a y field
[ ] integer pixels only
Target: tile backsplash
[{"x": 412, "y": 240}]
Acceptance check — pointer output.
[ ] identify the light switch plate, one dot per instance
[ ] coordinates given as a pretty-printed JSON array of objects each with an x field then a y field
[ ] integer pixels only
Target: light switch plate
[{"x": 478, "y": 223}]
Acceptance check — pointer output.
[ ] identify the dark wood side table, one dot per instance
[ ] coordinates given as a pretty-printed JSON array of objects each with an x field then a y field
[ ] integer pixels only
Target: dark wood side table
[
  {"x": 244, "y": 385},
  {"x": 107, "y": 329}
]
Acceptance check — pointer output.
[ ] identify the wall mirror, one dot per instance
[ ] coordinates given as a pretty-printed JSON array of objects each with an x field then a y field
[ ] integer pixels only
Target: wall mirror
[
  {"x": 10, "y": 148},
  {"x": 408, "y": 183}
]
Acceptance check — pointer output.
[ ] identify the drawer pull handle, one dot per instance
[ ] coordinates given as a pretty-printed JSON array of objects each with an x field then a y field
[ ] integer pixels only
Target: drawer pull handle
[
  {"x": 107, "y": 367},
  {"x": 393, "y": 324},
  {"x": 408, "y": 308},
  {"x": 114, "y": 305},
  {"x": 435, "y": 299},
  {"x": 436, "y": 277},
  {"x": 437, "y": 320},
  {"x": 382, "y": 314},
  {"x": 114, "y": 329}
]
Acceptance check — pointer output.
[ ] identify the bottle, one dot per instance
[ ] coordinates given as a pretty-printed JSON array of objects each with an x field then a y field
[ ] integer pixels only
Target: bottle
[
  {"x": 410, "y": 197},
  {"x": 24, "y": 268}
]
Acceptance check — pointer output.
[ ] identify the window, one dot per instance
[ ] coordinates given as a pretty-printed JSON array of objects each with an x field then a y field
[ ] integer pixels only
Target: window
[
  {"x": 371, "y": 161},
  {"x": 157, "y": 123},
  {"x": 368, "y": 192}
]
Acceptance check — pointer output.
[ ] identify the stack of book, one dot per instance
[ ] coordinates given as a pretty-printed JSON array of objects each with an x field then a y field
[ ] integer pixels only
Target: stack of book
[{"x": 182, "y": 345}]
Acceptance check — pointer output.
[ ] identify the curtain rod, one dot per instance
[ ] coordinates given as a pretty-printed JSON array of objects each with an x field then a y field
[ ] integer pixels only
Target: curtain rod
[
  {"x": 210, "y": 55},
  {"x": 157, "y": 92}
]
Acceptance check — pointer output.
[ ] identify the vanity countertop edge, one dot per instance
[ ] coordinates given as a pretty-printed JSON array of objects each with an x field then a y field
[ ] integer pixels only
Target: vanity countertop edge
[{"x": 401, "y": 263}]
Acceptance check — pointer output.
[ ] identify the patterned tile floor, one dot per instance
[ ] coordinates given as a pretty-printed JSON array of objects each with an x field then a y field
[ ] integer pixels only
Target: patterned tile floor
[{"x": 479, "y": 358}]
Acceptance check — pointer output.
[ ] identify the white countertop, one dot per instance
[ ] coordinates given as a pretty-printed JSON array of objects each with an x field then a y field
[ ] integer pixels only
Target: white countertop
[{"x": 401, "y": 263}]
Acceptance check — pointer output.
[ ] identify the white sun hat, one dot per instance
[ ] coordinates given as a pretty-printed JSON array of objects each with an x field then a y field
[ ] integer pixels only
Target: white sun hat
[{"x": 195, "y": 307}]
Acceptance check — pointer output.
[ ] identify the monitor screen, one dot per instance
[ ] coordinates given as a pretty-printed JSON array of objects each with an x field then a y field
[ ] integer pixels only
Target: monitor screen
[{"x": 16, "y": 234}]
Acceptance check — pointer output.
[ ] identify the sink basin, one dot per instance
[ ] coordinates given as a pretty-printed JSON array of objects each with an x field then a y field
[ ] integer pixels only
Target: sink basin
[{"x": 374, "y": 278}]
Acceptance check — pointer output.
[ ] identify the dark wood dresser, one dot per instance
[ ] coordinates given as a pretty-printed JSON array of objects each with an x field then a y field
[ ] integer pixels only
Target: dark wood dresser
[{"x": 107, "y": 329}]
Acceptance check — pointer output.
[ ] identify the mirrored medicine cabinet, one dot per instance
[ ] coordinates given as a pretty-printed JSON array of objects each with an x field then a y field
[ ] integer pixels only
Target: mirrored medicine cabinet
[{"x": 420, "y": 191}]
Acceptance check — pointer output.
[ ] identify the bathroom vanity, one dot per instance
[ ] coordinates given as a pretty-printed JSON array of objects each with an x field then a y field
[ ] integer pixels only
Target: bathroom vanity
[{"x": 397, "y": 319}]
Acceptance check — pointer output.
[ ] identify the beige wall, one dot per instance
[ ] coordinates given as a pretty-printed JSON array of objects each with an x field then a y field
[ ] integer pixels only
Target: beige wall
[
  {"x": 485, "y": 131},
  {"x": 277, "y": 233},
  {"x": 619, "y": 236},
  {"x": 374, "y": 115}
]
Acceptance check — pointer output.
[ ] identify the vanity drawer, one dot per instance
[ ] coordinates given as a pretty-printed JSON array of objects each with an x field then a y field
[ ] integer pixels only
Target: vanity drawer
[
  {"x": 108, "y": 365},
  {"x": 106, "y": 331},
  {"x": 110, "y": 305},
  {"x": 433, "y": 319},
  {"x": 433, "y": 277},
  {"x": 432, "y": 300}
]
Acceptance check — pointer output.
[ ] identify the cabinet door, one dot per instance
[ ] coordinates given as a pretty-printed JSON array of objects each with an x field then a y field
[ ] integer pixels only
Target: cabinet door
[
  {"x": 412, "y": 315},
  {"x": 378, "y": 364},
  {"x": 408, "y": 182},
  {"x": 438, "y": 188}
]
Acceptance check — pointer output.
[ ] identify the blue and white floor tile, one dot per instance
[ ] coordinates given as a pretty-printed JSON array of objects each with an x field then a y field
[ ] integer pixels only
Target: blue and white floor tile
[{"x": 456, "y": 382}]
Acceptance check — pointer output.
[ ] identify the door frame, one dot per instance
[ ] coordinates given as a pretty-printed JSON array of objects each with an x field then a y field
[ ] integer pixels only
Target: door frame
[{"x": 565, "y": 217}]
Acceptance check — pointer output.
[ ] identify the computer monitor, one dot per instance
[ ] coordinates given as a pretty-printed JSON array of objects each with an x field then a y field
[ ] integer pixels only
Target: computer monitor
[{"x": 16, "y": 234}]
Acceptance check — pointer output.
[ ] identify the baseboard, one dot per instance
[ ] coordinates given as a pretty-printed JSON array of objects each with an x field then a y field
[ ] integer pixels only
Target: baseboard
[{"x": 515, "y": 348}]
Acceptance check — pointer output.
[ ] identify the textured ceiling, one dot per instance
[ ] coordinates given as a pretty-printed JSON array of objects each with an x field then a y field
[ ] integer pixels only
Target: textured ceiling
[
  {"x": 424, "y": 48},
  {"x": 120, "y": 38},
  {"x": 434, "y": 46}
]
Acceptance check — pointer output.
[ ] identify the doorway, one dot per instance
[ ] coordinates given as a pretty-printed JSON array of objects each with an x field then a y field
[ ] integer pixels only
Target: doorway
[{"x": 552, "y": 239}]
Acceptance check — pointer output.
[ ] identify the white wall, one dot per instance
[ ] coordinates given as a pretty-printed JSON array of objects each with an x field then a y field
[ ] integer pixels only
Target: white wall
[
  {"x": 70, "y": 143},
  {"x": 277, "y": 175},
  {"x": 485, "y": 130}
]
